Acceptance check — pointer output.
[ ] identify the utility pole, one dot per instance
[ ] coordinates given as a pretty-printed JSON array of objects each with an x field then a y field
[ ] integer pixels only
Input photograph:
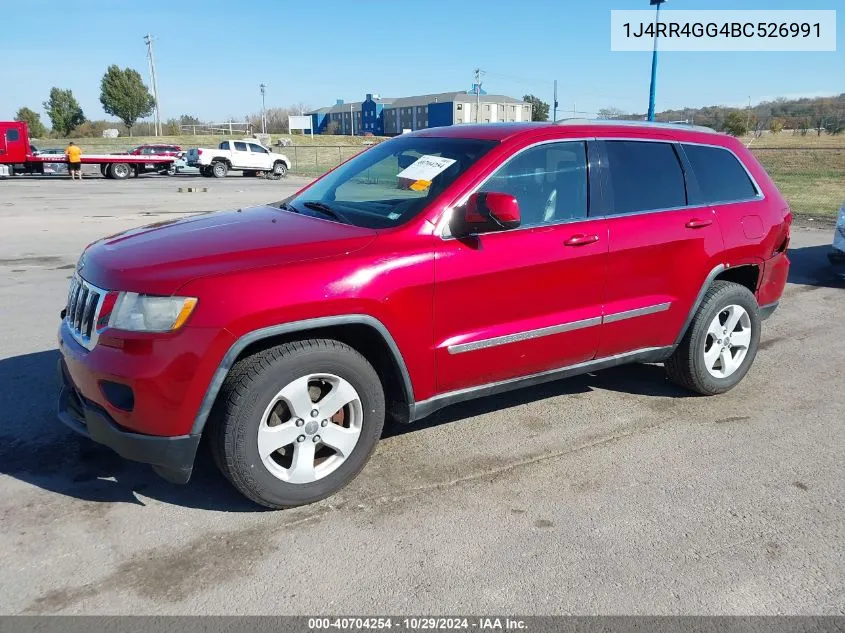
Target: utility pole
[
  {"x": 351, "y": 121},
  {"x": 653, "y": 88},
  {"x": 478, "y": 72},
  {"x": 148, "y": 40},
  {"x": 748, "y": 117},
  {"x": 554, "y": 105},
  {"x": 263, "y": 110}
]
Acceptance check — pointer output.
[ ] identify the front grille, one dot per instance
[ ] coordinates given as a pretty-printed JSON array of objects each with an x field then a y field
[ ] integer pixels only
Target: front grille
[{"x": 83, "y": 307}]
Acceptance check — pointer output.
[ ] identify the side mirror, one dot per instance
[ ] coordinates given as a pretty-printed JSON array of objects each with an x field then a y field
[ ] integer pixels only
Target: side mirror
[{"x": 486, "y": 212}]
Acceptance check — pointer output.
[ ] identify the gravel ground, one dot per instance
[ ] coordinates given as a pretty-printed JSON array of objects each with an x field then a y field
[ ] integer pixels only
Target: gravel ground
[{"x": 610, "y": 493}]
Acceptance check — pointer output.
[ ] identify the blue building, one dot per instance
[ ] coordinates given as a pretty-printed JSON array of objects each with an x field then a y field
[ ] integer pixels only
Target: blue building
[{"x": 390, "y": 116}]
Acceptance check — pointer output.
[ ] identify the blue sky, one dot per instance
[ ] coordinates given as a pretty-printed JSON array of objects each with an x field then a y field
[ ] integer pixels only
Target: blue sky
[{"x": 211, "y": 56}]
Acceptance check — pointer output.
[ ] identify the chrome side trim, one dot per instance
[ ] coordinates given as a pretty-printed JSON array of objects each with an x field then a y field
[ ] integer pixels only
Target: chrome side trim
[
  {"x": 427, "y": 407},
  {"x": 630, "y": 314},
  {"x": 286, "y": 328},
  {"x": 523, "y": 336},
  {"x": 527, "y": 335}
]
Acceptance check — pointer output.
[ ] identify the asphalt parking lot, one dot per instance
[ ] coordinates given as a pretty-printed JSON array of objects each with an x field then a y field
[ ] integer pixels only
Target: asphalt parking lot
[{"x": 611, "y": 493}]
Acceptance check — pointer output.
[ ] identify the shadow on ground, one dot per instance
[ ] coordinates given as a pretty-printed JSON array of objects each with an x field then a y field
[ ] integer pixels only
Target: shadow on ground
[
  {"x": 811, "y": 267},
  {"x": 35, "y": 447}
]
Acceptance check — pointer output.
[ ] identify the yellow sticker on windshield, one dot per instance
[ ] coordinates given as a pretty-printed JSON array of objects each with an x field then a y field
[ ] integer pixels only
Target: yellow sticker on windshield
[{"x": 420, "y": 185}]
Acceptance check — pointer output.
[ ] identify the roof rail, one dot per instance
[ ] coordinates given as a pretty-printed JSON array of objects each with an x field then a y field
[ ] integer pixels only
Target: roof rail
[{"x": 627, "y": 123}]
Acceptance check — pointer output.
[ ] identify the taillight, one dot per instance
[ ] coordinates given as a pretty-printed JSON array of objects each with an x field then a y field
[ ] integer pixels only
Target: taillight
[
  {"x": 199, "y": 152},
  {"x": 106, "y": 309}
]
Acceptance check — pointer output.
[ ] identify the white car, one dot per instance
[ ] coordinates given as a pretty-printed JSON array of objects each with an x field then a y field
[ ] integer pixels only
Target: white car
[{"x": 247, "y": 155}]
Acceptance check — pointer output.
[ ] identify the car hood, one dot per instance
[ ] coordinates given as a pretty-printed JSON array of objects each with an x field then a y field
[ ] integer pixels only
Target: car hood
[{"x": 160, "y": 258}]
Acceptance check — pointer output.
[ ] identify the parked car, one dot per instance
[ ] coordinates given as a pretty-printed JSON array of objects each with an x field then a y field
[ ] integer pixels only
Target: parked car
[
  {"x": 248, "y": 156},
  {"x": 155, "y": 149},
  {"x": 837, "y": 252},
  {"x": 441, "y": 265}
]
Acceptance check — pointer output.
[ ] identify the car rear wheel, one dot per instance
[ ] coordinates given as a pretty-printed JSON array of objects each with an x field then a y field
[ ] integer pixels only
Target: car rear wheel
[
  {"x": 721, "y": 342},
  {"x": 295, "y": 423},
  {"x": 219, "y": 169}
]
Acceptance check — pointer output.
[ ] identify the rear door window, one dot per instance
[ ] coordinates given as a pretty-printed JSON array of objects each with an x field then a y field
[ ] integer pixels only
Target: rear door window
[
  {"x": 224, "y": 145},
  {"x": 644, "y": 176},
  {"x": 720, "y": 176},
  {"x": 240, "y": 147}
]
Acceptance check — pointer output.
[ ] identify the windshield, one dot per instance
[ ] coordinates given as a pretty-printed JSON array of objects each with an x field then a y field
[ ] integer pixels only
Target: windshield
[{"x": 392, "y": 182}]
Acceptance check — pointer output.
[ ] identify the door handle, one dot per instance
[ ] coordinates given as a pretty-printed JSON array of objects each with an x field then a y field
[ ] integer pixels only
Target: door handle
[
  {"x": 696, "y": 223},
  {"x": 581, "y": 240}
]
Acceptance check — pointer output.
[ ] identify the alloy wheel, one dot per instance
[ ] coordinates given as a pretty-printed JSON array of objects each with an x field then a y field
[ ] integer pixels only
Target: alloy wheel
[
  {"x": 310, "y": 428},
  {"x": 727, "y": 341}
]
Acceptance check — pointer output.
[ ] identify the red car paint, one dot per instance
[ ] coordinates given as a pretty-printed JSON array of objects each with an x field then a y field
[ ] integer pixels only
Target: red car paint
[{"x": 257, "y": 268}]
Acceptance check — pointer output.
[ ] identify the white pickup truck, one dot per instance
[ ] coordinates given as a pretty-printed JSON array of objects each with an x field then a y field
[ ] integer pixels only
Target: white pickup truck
[{"x": 248, "y": 156}]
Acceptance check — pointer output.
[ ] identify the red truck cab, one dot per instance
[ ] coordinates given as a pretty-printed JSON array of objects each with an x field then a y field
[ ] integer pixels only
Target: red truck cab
[{"x": 439, "y": 266}]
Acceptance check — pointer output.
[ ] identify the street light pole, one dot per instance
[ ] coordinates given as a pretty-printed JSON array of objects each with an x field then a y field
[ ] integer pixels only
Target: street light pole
[
  {"x": 263, "y": 110},
  {"x": 653, "y": 87}
]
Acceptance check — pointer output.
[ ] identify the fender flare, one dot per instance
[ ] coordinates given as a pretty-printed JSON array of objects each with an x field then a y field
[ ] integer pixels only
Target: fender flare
[
  {"x": 708, "y": 281},
  {"x": 249, "y": 338}
]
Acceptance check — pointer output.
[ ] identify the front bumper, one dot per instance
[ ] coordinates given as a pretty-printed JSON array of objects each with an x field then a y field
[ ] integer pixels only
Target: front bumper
[{"x": 170, "y": 457}]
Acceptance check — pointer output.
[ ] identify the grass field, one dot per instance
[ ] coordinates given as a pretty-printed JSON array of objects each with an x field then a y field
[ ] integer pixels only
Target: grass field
[
  {"x": 812, "y": 180},
  {"x": 788, "y": 139}
]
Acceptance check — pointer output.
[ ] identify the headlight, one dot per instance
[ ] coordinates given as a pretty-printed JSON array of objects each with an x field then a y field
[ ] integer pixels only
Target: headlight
[{"x": 146, "y": 313}]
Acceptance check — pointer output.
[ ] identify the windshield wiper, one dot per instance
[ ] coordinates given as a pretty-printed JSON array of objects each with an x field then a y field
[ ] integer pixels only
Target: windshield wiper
[{"x": 325, "y": 210}]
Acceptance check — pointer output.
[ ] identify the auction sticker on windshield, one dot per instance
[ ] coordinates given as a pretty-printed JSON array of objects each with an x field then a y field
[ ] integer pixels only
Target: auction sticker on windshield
[{"x": 425, "y": 168}]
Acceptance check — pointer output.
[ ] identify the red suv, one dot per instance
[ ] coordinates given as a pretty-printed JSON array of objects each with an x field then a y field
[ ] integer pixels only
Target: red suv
[
  {"x": 439, "y": 266},
  {"x": 156, "y": 149}
]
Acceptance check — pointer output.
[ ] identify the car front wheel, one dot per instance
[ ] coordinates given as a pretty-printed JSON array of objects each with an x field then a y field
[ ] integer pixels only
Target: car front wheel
[
  {"x": 295, "y": 423},
  {"x": 721, "y": 342}
]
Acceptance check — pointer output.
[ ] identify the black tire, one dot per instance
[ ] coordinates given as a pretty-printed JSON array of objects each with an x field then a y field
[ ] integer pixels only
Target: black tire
[
  {"x": 686, "y": 366},
  {"x": 280, "y": 170},
  {"x": 104, "y": 171},
  {"x": 219, "y": 169},
  {"x": 205, "y": 171},
  {"x": 120, "y": 171},
  {"x": 251, "y": 385}
]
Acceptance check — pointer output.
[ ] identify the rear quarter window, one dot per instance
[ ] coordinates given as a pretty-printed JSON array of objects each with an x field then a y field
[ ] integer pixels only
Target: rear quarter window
[{"x": 720, "y": 176}]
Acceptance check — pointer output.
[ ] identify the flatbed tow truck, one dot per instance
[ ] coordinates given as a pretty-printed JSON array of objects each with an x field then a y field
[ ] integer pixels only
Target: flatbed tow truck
[{"x": 21, "y": 157}]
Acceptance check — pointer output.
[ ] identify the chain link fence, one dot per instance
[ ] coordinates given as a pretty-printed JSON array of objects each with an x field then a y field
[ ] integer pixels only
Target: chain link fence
[
  {"x": 315, "y": 160},
  {"x": 811, "y": 179}
]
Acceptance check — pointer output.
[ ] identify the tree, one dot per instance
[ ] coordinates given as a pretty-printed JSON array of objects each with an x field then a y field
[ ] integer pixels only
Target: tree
[
  {"x": 736, "y": 123},
  {"x": 331, "y": 128},
  {"x": 189, "y": 119},
  {"x": 63, "y": 110},
  {"x": 124, "y": 95},
  {"x": 539, "y": 108},
  {"x": 613, "y": 113},
  {"x": 776, "y": 125},
  {"x": 33, "y": 122}
]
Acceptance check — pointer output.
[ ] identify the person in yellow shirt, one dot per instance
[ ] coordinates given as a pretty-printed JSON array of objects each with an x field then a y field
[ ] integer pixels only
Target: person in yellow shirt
[{"x": 73, "y": 153}]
